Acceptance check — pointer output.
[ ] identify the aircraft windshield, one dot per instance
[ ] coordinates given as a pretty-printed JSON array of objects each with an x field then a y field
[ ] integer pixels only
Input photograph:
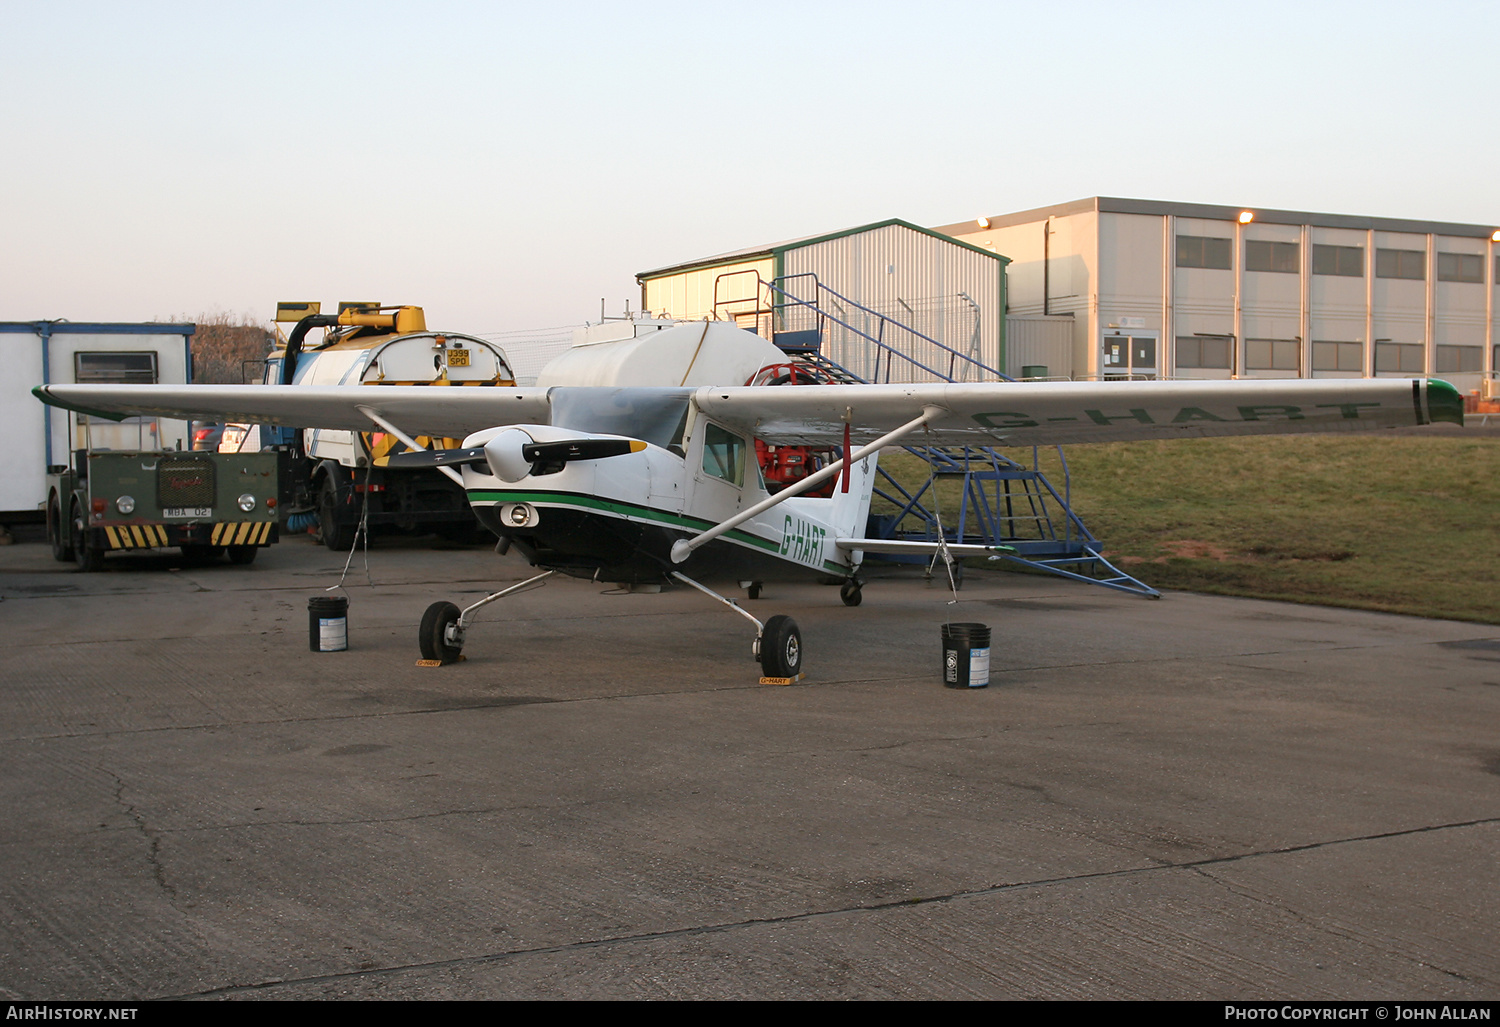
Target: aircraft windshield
[{"x": 656, "y": 416}]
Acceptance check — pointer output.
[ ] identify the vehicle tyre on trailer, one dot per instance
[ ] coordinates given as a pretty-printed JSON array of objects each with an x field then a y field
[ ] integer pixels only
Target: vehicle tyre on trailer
[
  {"x": 336, "y": 536},
  {"x": 90, "y": 558},
  {"x": 243, "y": 555},
  {"x": 58, "y": 534}
]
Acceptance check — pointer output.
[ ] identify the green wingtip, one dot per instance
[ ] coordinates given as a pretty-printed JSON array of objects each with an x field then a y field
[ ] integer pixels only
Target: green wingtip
[
  {"x": 1444, "y": 402},
  {"x": 41, "y": 393}
]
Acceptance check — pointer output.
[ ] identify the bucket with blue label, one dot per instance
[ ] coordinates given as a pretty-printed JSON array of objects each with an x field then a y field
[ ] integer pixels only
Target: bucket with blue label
[{"x": 966, "y": 655}]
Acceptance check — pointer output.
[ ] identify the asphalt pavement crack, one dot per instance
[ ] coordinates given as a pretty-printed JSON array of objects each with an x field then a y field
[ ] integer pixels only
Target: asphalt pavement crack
[
  {"x": 1322, "y": 928},
  {"x": 493, "y": 958},
  {"x": 152, "y": 838}
]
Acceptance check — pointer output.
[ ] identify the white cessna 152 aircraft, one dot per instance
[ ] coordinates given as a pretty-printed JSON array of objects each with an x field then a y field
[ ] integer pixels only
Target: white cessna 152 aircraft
[{"x": 596, "y": 475}]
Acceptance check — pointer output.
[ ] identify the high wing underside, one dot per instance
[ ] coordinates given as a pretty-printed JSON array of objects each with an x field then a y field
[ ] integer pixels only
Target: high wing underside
[
  {"x": 1044, "y": 413},
  {"x": 420, "y": 409},
  {"x": 995, "y": 413}
]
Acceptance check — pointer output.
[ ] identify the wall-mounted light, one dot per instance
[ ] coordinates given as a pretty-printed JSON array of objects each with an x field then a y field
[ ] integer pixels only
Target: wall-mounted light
[
  {"x": 1247, "y": 216},
  {"x": 1495, "y": 235},
  {"x": 985, "y": 222}
]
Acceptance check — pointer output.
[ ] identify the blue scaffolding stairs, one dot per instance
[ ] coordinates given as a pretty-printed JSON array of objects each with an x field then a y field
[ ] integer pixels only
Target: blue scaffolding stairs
[{"x": 1001, "y": 501}]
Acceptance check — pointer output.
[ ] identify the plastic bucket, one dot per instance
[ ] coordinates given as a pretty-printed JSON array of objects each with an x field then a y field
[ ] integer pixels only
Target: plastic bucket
[
  {"x": 966, "y": 655},
  {"x": 328, "y": 624}
]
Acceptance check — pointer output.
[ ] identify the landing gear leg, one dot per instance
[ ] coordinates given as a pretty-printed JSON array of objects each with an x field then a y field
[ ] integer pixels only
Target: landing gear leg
[
  {"x": 441, "y": 636},
  {"x": 778, "y": 642}
]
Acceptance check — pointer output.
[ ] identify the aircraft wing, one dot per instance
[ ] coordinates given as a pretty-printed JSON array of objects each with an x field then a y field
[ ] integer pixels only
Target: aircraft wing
[
  {"x": 452, "y": 412},
  {"x": 1044, "y": 413},
  {"x": 1007, "y": 413}
]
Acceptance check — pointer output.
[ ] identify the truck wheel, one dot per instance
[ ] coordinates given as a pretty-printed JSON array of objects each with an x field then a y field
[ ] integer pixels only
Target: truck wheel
[
  {"x": 200, "y": 555},
  {"x": 89, "y": 558},
  {"x": 336, "y": 536},
  {"x": 434, "y": 633},
  {"x": 58, "y": 534},
  {"x": 243, "y": 555}
]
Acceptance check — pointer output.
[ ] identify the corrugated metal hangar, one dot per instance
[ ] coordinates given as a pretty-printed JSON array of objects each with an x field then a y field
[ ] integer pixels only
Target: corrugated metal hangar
[
  {"x": 1197, "y": 291},
  {"x": 1112, "y": 288},
  {"x": 860, "y": 290}
]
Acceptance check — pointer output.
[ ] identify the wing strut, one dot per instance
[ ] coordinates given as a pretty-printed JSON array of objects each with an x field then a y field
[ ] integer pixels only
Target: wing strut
[
  {"x": 411, "y": 443},
  {"x": 683, "y": 547}
]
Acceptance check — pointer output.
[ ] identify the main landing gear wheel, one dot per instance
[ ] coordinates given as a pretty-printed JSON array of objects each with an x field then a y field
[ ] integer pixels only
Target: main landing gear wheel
[
  {"x": 852, "y": 593},
  {"x": 753, "y": 590},
  {"x": 436, "y": 639},
  {"x": 781, "y": 648}
]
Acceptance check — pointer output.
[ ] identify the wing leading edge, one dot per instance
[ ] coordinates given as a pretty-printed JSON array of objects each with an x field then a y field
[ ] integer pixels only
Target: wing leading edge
[
  {"x": 1044, "y": 413},
  {"x": 1005, "y": 413},
  {"x": 420, "y": 409}
]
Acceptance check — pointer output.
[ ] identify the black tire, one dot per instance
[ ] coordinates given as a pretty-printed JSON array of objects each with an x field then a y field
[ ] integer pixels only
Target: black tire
[
  {"x": 851, "y": 593},
  {"x": 781, "y": 648},
  {"x": 243, "y": 555},
  {"x": 89, "y": 558},
  {"x": 753, "y": 591},
  {"x": 58, "y": 534},
  {"x": 201, "y": 555},
  {"x": 336, "y": 536},
  {"x": 435, "y": 621}
]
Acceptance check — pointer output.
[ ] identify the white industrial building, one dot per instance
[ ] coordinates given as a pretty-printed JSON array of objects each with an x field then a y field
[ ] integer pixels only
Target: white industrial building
[{"x": 1159, "y": 289}]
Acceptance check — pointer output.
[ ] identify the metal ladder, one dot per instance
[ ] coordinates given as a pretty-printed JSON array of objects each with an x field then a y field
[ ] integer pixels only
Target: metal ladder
[{"x": 1001, "y": 500}]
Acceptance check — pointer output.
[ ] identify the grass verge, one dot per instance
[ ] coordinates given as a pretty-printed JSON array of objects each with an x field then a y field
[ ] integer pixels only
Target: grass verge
[{"x": 1404, "y": 524}]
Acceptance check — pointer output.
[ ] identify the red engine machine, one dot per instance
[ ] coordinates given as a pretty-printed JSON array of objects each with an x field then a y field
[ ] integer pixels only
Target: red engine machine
[{"x": 786, "y": 465}]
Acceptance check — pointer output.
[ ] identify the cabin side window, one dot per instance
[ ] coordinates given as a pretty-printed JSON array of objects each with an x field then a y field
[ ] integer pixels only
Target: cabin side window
[{"x": 724, "y": 455}]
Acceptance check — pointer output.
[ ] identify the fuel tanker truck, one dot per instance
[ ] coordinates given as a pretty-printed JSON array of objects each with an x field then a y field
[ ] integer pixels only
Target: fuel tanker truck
[{"x": 335, "y": 479}]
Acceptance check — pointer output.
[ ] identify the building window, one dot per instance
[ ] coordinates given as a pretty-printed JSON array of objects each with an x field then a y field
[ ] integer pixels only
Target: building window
[
  {"x": 1204, "y": 251},
  {"x": 1272, "y": 355},
  {"x": 1348, "y": 261},
  {"x": 1460, "y": 358},
  {"x": 115, "y": 368},
  {"x": 1203, "y": 351},
  {"x": 1460, "y": 267},
  {"x": 1400, "y": 357},
  {"x": 1338, "y": 356},
  {"x": 1401, "y": 264},
  {"x": 1271, "y": 256}
]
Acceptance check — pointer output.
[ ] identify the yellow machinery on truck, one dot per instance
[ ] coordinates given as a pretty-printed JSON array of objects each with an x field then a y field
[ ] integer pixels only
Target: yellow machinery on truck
[{"x": 339, "y": 479}]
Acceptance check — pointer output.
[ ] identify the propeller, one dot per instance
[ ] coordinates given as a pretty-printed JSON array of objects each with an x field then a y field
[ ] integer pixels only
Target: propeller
[{"x": 513, "y": 454}]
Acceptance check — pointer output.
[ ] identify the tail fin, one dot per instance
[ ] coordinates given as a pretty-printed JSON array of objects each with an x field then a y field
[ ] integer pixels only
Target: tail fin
[{"x": 852, "y": 509}]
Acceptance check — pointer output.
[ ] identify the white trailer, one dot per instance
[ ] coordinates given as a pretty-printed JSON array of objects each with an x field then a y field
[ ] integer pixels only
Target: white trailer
[{"x": 39, "y": 437}]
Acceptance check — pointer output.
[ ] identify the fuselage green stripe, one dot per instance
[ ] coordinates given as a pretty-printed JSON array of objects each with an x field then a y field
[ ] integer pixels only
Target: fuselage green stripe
[{"x": 648, "y": 513}]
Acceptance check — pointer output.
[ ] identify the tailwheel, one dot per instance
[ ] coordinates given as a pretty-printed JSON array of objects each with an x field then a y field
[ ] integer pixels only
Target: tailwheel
[
  {"x": 851, "y": 592},
  {"x": 781, "y": 648},
  {"x": 441, "y": 637}
]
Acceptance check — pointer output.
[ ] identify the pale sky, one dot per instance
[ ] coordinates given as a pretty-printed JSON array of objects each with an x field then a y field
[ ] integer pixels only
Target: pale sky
[{"x": 507, "y": 165}]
